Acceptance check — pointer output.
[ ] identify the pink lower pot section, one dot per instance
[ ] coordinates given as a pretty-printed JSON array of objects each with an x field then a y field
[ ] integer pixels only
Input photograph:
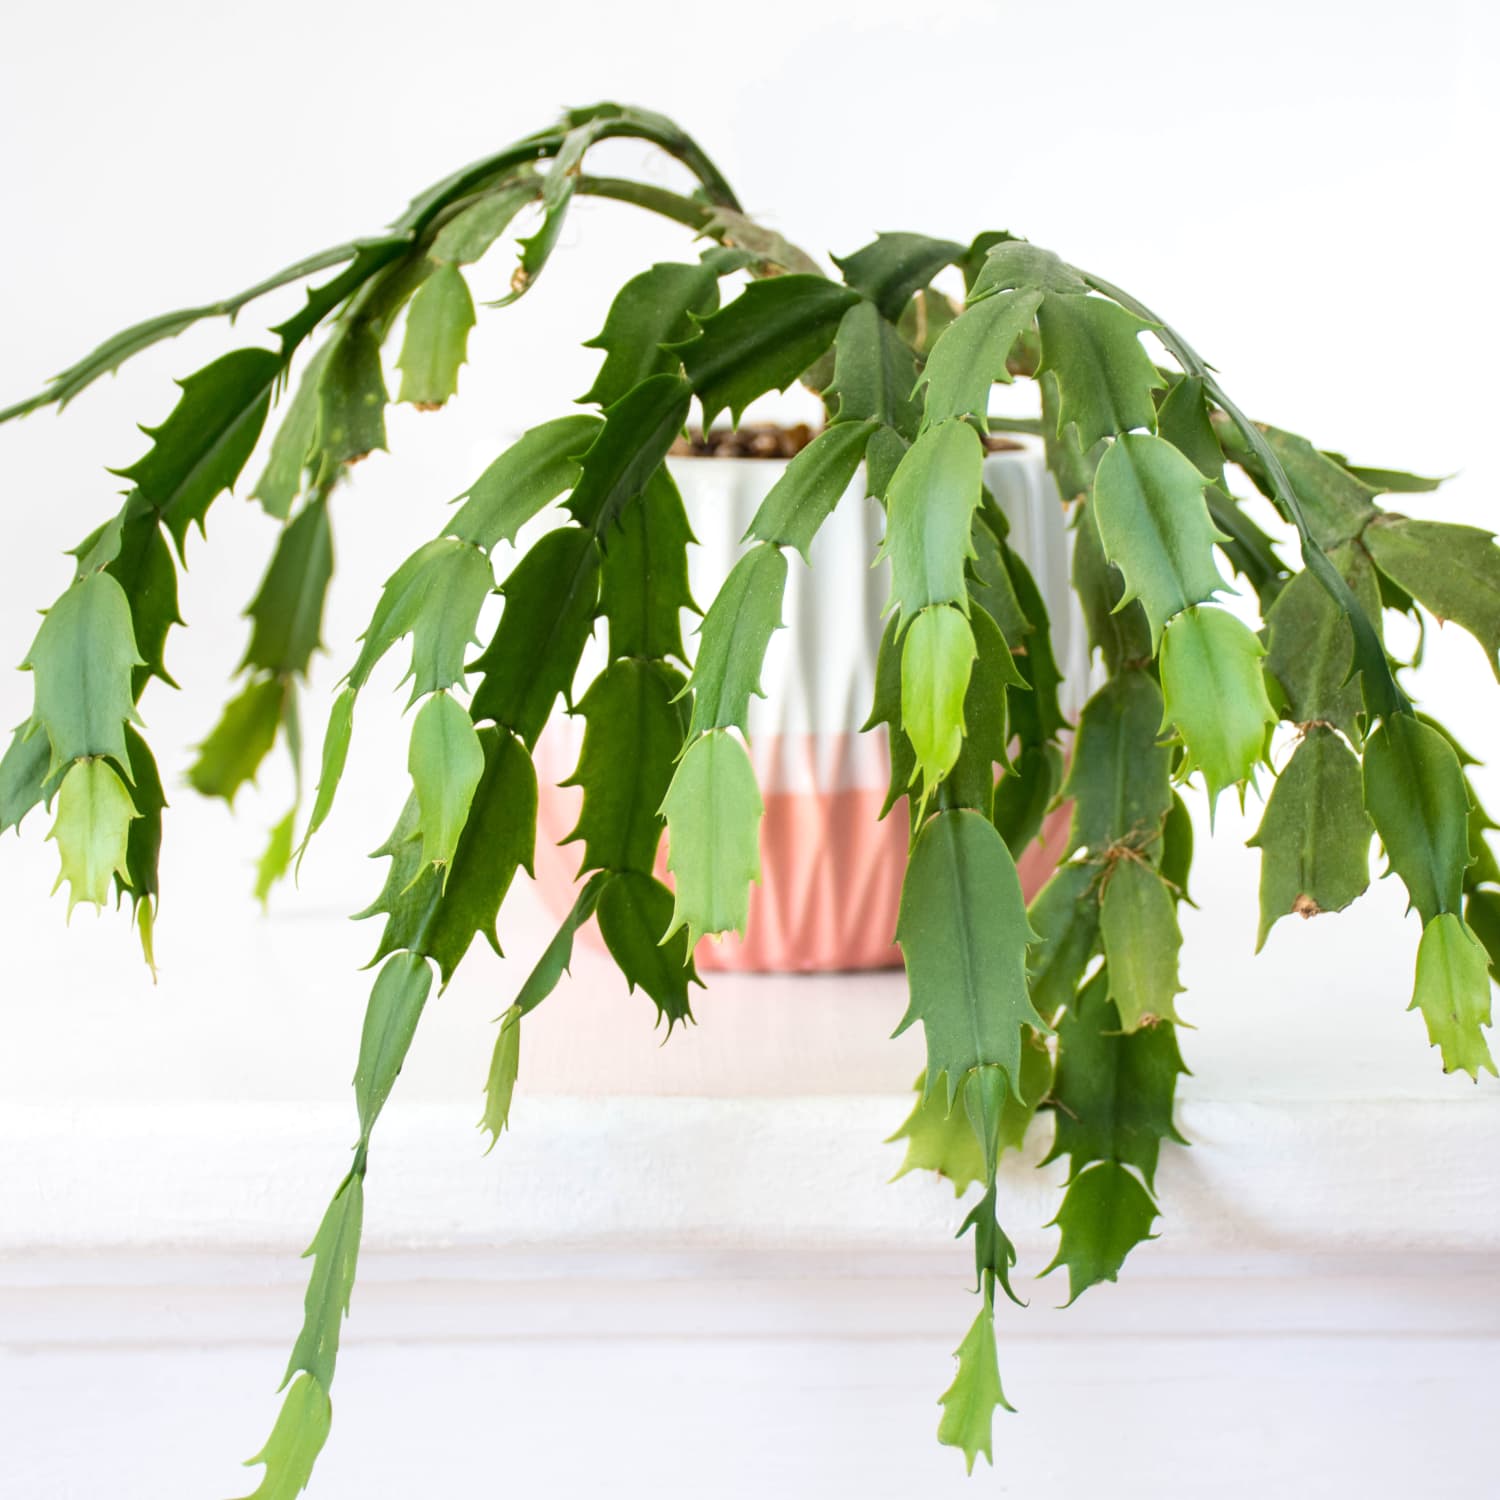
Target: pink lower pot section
[{"x": 831, "y": 873}]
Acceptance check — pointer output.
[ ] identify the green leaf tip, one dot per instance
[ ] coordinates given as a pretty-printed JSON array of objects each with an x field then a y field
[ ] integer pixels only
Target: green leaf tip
[
  {"x": 437, "y": 338},
  {"x": 963, "y": 933},
  {"x": 936, "y": 662},
  {"x": 92, "y": 828},
  {"x": 446, "y": 762},
  {"x": 505, "y": 1068},
  {"x": 969, "y": 1404},
  {"x": 713, "y": 810},
  {"x": 1315, "y": 836},
  {"x": 1106, "y": 1212},
  {"x": 1214, "y": 694},
  {"x": 296, "y": 1439},
  {"x": 1453, "y": 994},
  {"x": 1155, "y": 527}
]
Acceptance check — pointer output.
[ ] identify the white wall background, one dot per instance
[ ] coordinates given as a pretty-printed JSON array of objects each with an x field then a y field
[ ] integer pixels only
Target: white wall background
[{"x": 1305, "y": 188}]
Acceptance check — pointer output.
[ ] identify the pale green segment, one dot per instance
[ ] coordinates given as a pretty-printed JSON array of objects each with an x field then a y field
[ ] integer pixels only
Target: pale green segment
[
  {"x": 241, "y": 740},
  {"x": 733, "y": 639},
  {"x": 963, "y": 934},
  {"x": 1155, "y": 527},
  {"x": 969, "y": 356},
  {"x": 1453, "y": 570},
  {"x": 713, "y": 811},
  {"x": 276, "y": 858},
  {"x": 505, "y": 1069},
  {"x": 940, "y": 1139},
  {"x": 1415, "y": 794},
  {"x": 82, "y": 662},
  {"x": 335, "y": 754},
  {"x": 446, "y": 761},
  {"x": 1104, "y": 377},
  {"x": 930, "y": 506},
  {"x": 1215, "y": 696},
  {"x": 813, "y": 484},
  {"x": 297, "y": 1438},
  {"x": 291, "y": 449},
  {"x": 969, "y": 1403},
  {"x": 1453, "y": 994},
  {"x": 396, "y": 1000},
  {"x": 435, "y": 597},
  {"x": 936, "y": 662},
  {"x": 1105, "y": 1214},
  {"x": 524, "y": 480},
  {"x": 1315, "y": 836},
  {"x": 94, "y": 812},
  {"x": 1018, "y": 263},
  {"x": 1138, "y": 922},
  {"x": 437, "y": 337},
  {"x": 335, "y": 1256}
]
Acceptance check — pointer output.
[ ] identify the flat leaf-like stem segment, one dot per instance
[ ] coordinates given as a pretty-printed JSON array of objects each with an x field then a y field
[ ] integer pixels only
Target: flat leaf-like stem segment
[
  {"x": 1453, "y": 994},
  {"x": 963, "y": 934},
  {"x": 1155, "y": 527},
  {"x": 1315, "y": 836},
  {"x": 296, "y": 1439},
  {"x": 969, "y": 356},
  {"x": 81, "y": 664},
  {"x": 733, "y": 640},
  {"x": 635, "y": 920},
  {"x": 643, "y": 581},
  {"x": 435, "y": 597},
  {"x": 550, "y": 599},
  {"x": 894, "y": 266},
  {"x": 287, "y": 611},
  {"x": 537, "y": 468},
  {"x": 1138, "y": 922},
  {"x": 635, "y": 726},
  {"x": 713, "y": 811},
  {"x": 335, "y": 1254},
  {"x": 937, "y": 659},
  {"x": 199, "y": 450},
  {"x": 440, "y": 917},
  {"x": 1414, "y": 792},
  {"x": 969, "y": 1403},
  {"x": 445, "y": 761},
  {"x": 94, "y": 813},
  {"x": 874, "y": 374},
  {"x": 813, "y": 484},
  {"x": 638, "y": 429},
  {"x": 1120, "y": 779},
  {"x": 1104, "y": 377},
  {"x": 1453, "y": 570},
  {"x": 1311, "y": 647},
  {"x": 763, "y": 340},
  {"x": 396, "y": 1002},
  {"x": 940, "y": 1139},
  {"x": 241, "y": 740},
  {"x": 651, "y": 311},
  {"x": 1215, "y": 697},
  {"x": 437, "y": 338},
  {"x": 1105, "y": 1214},
  {"x": 930, "y": 508},
  {"x": 1065, "y": 917},
  {"x": 1114, "y": 1090}
]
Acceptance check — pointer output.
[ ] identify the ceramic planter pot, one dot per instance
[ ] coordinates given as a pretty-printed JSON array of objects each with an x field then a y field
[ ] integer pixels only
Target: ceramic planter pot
[{"x": 830, "y": 869}]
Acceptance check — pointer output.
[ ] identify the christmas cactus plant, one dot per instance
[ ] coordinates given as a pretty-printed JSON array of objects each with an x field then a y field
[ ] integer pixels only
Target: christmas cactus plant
[{"x": 1068, "y": 1007}]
